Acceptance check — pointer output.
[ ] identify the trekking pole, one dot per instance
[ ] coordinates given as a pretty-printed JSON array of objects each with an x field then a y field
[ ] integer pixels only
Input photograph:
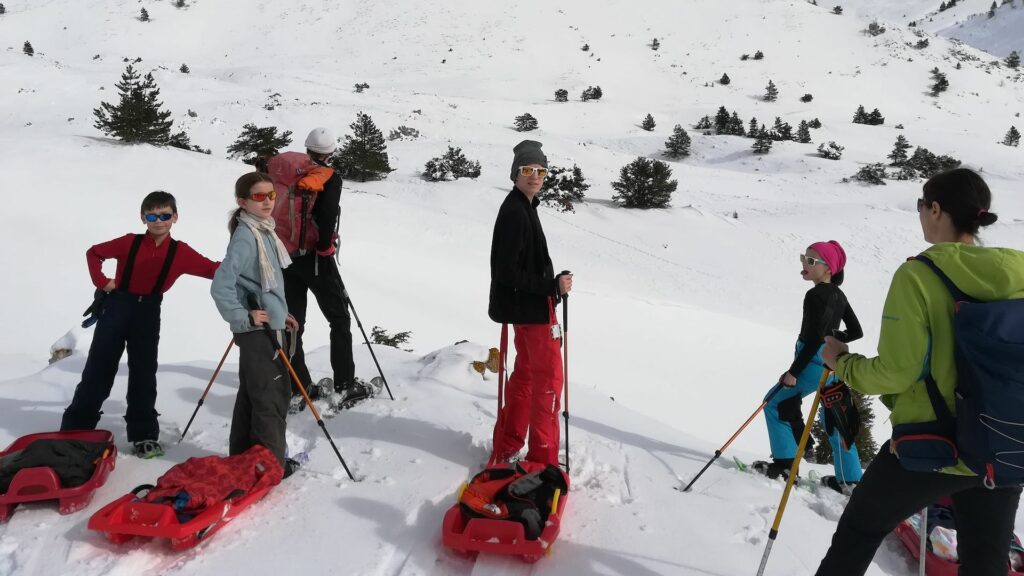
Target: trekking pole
[
  {"x": 923, "y": 526},
  {"x": 367, "y": 340},
  {"x": 207, "y": 391},
  {"x": 774, "y": 532},
  {"x": 254, "y": 305},
  {"x": 767, "y": 399},
  {"x": 565, "y": 370},
  {"x": 499, "y": 423}
]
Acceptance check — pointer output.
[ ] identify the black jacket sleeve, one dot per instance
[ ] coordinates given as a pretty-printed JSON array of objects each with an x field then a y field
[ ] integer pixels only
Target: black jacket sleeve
[
  {"x": 812, "y": 329},
  {"x": 326, "y": 211},
  {"x": 509, "y": 256},
  {"x": 853, "y": 329}
]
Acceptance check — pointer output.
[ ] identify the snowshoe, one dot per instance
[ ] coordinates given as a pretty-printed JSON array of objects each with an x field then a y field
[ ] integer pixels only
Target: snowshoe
[
  {"x": 319, "y": 391},
  {"x": 845, "y": 488},
  {"x": 356, "y": 391},
  {"x": 776, "y": 469},
  {"x": 147, "y": 449}
]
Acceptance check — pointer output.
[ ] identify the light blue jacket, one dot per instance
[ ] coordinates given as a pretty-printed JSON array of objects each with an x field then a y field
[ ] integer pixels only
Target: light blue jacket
[{"x": 239, "y": 275}]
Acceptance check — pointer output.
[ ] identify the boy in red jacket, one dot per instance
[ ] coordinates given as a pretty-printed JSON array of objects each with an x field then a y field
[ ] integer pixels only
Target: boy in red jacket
[{"x": 129, "y": 316}]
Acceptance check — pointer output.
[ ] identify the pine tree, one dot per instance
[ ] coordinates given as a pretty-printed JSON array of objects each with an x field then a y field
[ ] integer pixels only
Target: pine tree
[
  {"x": 860, "y": 117},
  {"x": 137, "y": 117},
  {"x": 703, "y": 124},
  {"x": 763, "y": 143},
  {"x": 782, "y": 130},
  {"x": 363, "y": 156},
  {"x": 451, "y": 166},
  {"x": 644, "y": 183},
  {"x": 3, "y": 9},
  {"x": 725, "y": 80},
  {"x": 648, "y": 123},
  {"x": 771, "y": 93},
  {"x": 803, "y": 133},
  {"x": 561, "y": 95},
  {"x": 941, "y": 84},
  {"x": 678, "y": 144},
  {"x": 876, "y": 118},
  {"x": 184, "y": 69},
  {"x": 838, "y": 10},
  {"x": 144, "y": 15},
  {"x": 1013, "y": 60},
  {"x": 562, "y": 188},
  {"x": 899, "y": 152},
  {"x": 815, "y": 123},
  {"x": 525, "y": 123},
  {"x": 27, "y": 48},
  {"x": 831, "y": 151},
  {"x": 722, "y": 121},
  {"x": 255, "y": 142},
  {"x": 655, "y": 44},
  {"x": 992, "y": 10},
  {"x": 735, "y": 127},
  {"x": 1012, "y": 137},
  {"x": 752, "y": 128}
]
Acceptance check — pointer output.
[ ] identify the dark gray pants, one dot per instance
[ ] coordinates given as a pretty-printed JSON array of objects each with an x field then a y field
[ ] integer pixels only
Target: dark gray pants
[
  {"x": 888, "y": 494},
  {"x": 261, "y": 405}
]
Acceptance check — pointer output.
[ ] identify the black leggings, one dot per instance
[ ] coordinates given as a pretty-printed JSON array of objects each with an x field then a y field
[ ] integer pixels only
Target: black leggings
[{"x": 888, "y": 494}]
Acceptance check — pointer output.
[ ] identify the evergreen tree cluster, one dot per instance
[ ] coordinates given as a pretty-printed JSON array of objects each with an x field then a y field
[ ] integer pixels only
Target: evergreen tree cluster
[
  {"x": 725, "y": 123},
  {"x": 137, "y": 117},
  {"x": 364, "y": 155},
  {"x": 525, "y": 123},
  {"x": 875, "y": 118},
  {"x": 947, "y": 5},
  {"x": 403, "y": 132},
  {"x": 451, "y": 166},
  {"x": 922, "y": 43},
  {"x": 921, "y": 164},
  {"x": 644, "y": 183},
  {"x": 563, "y": 187}
]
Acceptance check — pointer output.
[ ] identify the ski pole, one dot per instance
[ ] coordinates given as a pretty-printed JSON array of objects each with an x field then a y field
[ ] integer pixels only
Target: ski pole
[
  {"x": 767, "y": 399},
  {"x": 207, "y": 391},
  {"x": 254, "y": 305},
  {"x": 793, "y": 470},
  {"x": 565, "y": 370},
  {"x": 367, "y": 340}
]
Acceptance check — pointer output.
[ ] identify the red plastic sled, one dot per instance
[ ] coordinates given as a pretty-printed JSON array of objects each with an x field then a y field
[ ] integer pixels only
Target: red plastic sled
[
  {"x": 126, "y": 518},
  {"x": 933, "y": 564},
  {"x": 472, "y": 535},
  {"x": 42, "y": 483}
]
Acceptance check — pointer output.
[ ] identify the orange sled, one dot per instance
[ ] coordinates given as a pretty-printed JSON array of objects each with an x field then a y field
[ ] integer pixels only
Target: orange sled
[
  {"x": 471, "y": 535},
  {"x": 43, "y": 483}
]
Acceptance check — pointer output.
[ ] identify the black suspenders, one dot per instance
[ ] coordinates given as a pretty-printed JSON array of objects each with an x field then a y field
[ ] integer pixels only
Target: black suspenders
[{"x": 130, "y": 265}]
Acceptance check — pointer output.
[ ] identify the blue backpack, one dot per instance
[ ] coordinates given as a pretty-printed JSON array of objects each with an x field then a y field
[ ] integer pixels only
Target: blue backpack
[{"x": 989, "y": 423}]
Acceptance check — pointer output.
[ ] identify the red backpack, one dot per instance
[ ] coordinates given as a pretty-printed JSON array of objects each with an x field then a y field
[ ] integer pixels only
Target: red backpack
[{"x": 297, "y": 180}]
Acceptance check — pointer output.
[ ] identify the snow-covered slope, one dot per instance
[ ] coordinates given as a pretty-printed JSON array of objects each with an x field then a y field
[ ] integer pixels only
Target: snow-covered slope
[
  {"x": 684, "y": 316},
  {"x": 998, "y": 35}
]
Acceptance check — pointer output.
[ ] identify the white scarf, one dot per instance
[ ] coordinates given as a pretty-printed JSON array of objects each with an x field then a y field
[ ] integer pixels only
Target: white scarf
[{"x": 268, "y": 280}]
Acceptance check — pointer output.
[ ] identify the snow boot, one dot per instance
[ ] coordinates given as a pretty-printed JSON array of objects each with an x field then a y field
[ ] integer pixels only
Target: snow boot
[
  {"x": 147, "y": 449},
  {"x": 291, "y": 466},
  {"x": 776, "y": 469},
  {"x": 834, "y": 483}
]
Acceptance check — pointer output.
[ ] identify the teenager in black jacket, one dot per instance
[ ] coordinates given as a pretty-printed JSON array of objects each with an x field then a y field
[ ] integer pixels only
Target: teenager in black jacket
[{"x": 524, "y": 292}]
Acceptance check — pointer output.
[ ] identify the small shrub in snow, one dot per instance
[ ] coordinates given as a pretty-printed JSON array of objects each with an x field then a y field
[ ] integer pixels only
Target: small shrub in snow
[
  {"x": 360, "y": 87},
  {"x": 725, "y": 80},
  {"x": 806, "y": 98},
  {"x": 563, "y": 187},
  {"x": 181, "y": 140},
  {"x": 758, "y": 55},
  {"x": 380, "y": 336},
  {"x": 648, "y": 123},
  {"x": 403, "y": 133},
  {"x": 831, "y": 151},
  {"x": 921, "y": 44},
  {"x": 745, "y": 57},
  {"x": 815, "y": 123},
  {"x": 871, "y": 174},
  {"x": 144, "y": 15},
  {"x": 644, "y": 183},
  {"x": 875, "y": 29},
  {"x": 838, "y": 10},
  {"x": 27, "y": 48},
  {"x": 561, "y": 95},
  {"x": 451, "y": 166},
  {"x": 525, "y": 123},
  {"x": 655, "y": 44},
  {"x": 184, "y": 69},
  {"x": 678, "y": 144},
  {"x": 586, "y": 48},
  {"x": 591, "y": 93}
]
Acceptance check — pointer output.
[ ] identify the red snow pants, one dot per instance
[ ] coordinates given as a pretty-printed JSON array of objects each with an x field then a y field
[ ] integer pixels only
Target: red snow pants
[{"x": 532, "y": 396}]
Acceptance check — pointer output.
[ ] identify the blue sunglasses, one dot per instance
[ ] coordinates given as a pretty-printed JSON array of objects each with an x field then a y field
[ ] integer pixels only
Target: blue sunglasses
[{"x": 161, "y": 217}]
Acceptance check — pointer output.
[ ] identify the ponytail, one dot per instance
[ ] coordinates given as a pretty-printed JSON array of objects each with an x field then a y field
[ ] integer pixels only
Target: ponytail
[{"x": 233, "y": 222}]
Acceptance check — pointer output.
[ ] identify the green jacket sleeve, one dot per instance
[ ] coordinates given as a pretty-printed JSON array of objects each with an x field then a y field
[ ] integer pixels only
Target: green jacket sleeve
[{"x": 903, "y": 345}]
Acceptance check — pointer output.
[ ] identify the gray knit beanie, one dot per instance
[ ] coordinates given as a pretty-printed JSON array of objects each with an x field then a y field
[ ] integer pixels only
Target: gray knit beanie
[{"x": 527, "y": 152}]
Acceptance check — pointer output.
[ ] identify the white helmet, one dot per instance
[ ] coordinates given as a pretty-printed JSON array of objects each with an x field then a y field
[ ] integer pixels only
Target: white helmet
[{"x": 321, "y": 141}]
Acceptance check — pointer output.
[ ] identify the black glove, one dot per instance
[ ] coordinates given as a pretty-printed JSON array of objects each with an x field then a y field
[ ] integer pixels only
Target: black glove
[{"x": 93, "y": 311}]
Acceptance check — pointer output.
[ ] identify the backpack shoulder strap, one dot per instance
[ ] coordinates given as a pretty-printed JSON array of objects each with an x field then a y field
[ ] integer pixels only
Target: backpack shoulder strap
[
  {"x": 957, "y": 293},
  {"x": 938, "y": 402},
  {"x": 126, "y": 278},
  {"x": 168, "y": 260}
]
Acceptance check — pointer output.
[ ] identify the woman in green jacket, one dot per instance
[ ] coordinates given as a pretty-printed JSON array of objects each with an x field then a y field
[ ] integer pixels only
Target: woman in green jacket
[{"x": 917, "y": 340}]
